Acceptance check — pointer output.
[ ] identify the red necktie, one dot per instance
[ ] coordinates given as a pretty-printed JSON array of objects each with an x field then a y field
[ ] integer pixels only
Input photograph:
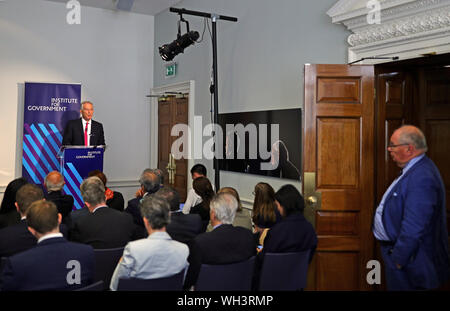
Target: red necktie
[{"x": 85, "y": 134}]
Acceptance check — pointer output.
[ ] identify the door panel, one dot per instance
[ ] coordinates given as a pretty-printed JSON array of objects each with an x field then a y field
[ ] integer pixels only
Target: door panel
[
  {"x": 172, "y": 111},
  {"x": 338, "y": 148}
]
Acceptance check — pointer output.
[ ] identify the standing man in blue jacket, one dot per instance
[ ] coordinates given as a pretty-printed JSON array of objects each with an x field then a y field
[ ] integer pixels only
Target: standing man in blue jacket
[{"x": 410, "y": 222}]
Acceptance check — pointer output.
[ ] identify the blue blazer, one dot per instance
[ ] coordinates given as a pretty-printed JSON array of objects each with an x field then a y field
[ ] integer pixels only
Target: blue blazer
[
  {"x": 44, "y": 267},
  {"x": 414, "y": 218}
]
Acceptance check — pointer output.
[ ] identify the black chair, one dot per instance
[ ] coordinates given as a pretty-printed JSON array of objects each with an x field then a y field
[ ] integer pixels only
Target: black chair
[
  {"x": 229, "y": 277},
  {"x": 94, "y": 287},
  {"x": 106, "y": 261},
  {"x": 284, "y": 271},
  {"x": 171, "y": 283}
]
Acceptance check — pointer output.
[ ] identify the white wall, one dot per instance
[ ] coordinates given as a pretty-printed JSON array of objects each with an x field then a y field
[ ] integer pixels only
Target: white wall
[
  {"x": 110, "y": 53},
  {"x": 261, "y": 59}
]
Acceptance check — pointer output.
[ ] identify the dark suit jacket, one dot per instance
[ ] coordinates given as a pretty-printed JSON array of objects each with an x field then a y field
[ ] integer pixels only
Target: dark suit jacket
[
  {"x": 183, "y": 228},
  {"x": 9, "y": 219},
  {"x": 63, "y": 202},
  {"x": 74, "y": 133},
  {"x": 44, "y": 267},
  {"x": 116, "y": 202},
  {"x": 414, "y": 217},
  {"x": 105, "y": 228},
  {"x": 225, "y": 244},
  {"x": 15, "y": 239}
]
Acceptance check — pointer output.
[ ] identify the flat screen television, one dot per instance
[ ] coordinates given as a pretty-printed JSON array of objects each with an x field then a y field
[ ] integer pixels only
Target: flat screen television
[{"x": 265, "y": 143}]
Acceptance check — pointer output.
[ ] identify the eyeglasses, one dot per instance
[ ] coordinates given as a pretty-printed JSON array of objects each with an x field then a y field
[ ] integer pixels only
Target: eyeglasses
[{"x": 398, "y": 145}]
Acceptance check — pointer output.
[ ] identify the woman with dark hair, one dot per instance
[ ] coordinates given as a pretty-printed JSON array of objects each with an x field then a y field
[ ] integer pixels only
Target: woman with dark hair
[
  {"x": 265, "y": 213},
  {"x": 293, "y": 233},
  {"x": 8, "y": 212},
  {"x": 202, "y": 187},
  {"x": 114, "y": 199}
]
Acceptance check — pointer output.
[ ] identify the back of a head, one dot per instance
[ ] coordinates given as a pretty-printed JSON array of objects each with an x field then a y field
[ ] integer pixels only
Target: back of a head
[
  {"x": 150, "y": 181},
  {"x": 54, "y": 181},
  {"x": 156, "y": 210},
  {"x": 224, "y": 206},
  {"x": 26, "y": 195},
  {"x": 290, "y": 199},
  {"x": 160, "y": 175},
  {"x": 42, "y": 216},
  {"x": 9, "y": 197},
  {"x": 171, "y": 195},
  {"x": 202, "y": 186},
  {"x": 93, "y": 191},
  {"x": 264, "y": 203},
  {"x": 410, "y": 134},
  {"x": 234, "y": 193},
  {"x": 199, "y": 169},
  {"x": 98, "y": 174}
]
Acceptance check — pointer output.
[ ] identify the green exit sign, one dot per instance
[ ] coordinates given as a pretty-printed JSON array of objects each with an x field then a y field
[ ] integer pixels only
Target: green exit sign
[{"x": 171, "y": 70}]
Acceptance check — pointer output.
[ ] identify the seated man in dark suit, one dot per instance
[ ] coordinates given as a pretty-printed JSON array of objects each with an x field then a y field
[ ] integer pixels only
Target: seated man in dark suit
[
  {"x": 55, "y": 263},
  {"x": 224, "y": 244},
  {"x": 182, "y": 227},
  {"x": 103, "y": 227},
  {"x": 150, "y": 183},
  {"x": 54, "y": 183},
  {"x": 84, "y": 131},
  {"x": 114, "y": 199},
  {"x": 15, "y": 239}
]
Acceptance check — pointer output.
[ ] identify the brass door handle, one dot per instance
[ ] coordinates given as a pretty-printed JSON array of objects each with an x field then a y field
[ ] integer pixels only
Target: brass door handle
[
  {"x": 171, "y": 169},
  {"x": 311, "y": 200}
]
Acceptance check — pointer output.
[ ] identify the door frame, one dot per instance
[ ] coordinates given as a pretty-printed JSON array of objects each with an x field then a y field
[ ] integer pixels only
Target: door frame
[{"x": 186, "y": 87}]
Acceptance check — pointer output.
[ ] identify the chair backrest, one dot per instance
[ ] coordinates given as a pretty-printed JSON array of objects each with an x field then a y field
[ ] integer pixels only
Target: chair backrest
[
  {"x": 284, "y": 271},
  {"x": 171, "y": 283},
  {"x": 105, "y": 263},
  {"x": 94, "y": 287},
  {"x": 2, "y": 263},
  {"x": 230, "y": 277}
]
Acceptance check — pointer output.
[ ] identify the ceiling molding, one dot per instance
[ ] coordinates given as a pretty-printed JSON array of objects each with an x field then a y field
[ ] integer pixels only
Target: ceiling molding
[{"x": 408, "y": 29}]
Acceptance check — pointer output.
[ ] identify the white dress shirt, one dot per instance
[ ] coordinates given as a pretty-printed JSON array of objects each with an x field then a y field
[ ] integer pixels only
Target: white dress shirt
[
  {"x": 192, "y": 200},
  {"x": 88, "y": 131}
]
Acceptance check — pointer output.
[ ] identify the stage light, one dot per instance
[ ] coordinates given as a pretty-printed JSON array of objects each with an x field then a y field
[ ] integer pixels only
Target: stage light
[{"x": 169, "y": 51}]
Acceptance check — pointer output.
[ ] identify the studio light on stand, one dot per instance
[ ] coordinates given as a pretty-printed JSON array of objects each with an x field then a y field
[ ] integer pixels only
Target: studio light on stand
[{"x": 169, "y": 51}]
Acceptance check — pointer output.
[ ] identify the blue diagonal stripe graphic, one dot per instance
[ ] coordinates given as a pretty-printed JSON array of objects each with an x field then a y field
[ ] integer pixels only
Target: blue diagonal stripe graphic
[
  {"x": 38, "y": 152},
  {"x": 49, "y": 136},
  {"x": 30, "y": 171},
  {"x": 56, "y": 131},
  {"x": 33, "y": 160},
  {"x": 75, "y": 172},
  {"x": 75, "y": 202},
  {"x": 50, "y": 154},
  {"x": 72, "y": 183}
]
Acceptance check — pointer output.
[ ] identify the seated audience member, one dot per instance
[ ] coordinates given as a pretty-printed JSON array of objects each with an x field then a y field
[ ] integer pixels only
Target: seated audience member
[
  {"x": 160, "y": 175},
  {"x": 265, "y": 213},
  {"x": 149, "y": 182},
  {"x": 157, "y": 256},
  {"x": 243, "y": 217},
  {"x": 204, "y": 189},
  {"x": 224, "y": 244},
  {"x": 293, "y": 233},
  {"x": 48, "y": 265},
  {"x": 198, "y": 170},
  {"x": 103, "y": 227},
  {"x": 182, "y": 228},
  {"x": 8, "y": 212},
  {"x": 114, "y": 199},
  {"x": 16, "y": 238},
  {"x": 54, "y": 183}
]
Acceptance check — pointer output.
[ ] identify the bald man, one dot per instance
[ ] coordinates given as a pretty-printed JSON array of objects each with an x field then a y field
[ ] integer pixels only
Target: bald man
[
  {"x": 54, "y": 183},
  {"x": 410, "y": 221}
]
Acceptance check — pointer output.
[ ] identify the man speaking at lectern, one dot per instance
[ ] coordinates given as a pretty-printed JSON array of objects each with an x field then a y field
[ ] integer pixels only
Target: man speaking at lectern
[{"x": 84, "y": 131}]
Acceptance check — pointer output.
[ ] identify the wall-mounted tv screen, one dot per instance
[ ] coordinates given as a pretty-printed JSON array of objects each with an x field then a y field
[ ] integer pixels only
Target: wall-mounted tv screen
[{"x": 266, "y": 143}]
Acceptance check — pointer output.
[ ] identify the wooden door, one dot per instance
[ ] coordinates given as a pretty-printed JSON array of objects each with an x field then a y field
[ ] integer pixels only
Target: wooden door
[
  {"x": 339, "y": 149},
  {"x": 172, "y": 111}
]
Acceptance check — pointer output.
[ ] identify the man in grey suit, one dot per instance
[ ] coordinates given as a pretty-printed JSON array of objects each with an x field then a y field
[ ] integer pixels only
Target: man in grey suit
[{"x": 158, "y": 255}]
